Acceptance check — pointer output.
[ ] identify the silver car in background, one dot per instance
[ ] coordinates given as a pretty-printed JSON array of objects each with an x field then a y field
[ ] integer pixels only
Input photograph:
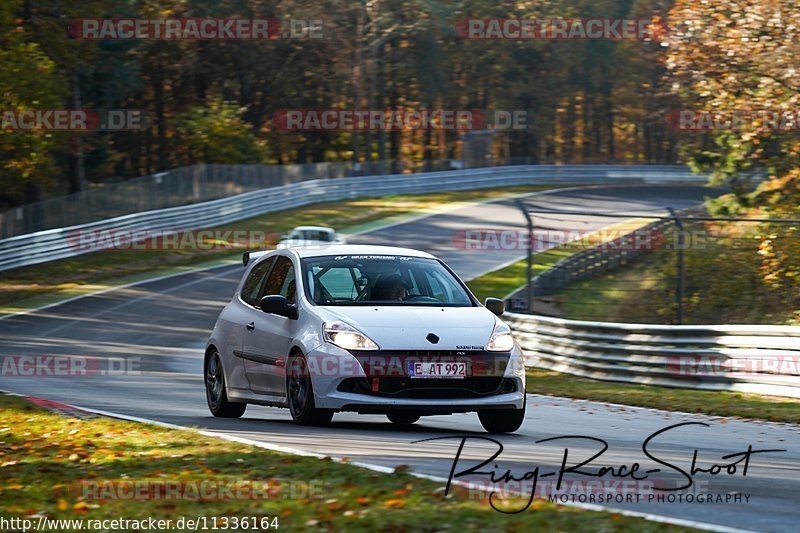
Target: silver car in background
[
  {"x": 369, "y": 329},
  {"x": 318, "y": 236}
]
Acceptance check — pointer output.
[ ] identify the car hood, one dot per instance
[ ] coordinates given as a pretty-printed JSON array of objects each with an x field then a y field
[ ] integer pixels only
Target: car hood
[{"x": 407, "y": 327}]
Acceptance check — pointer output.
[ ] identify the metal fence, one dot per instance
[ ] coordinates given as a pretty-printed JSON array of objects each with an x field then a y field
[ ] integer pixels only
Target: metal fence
[
  {"x": 685, "y": 267},
  {"x": 180, "y": 186},
  {"x": 595, "y": 260},
  {"x": 745, "y": 358},
  {"x": 59, "y": 243}
]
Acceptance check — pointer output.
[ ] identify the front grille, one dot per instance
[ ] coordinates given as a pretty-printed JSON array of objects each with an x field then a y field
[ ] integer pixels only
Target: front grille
[
  {"x": 402, "y": 387},
  {"x": 394, "y": 364}
]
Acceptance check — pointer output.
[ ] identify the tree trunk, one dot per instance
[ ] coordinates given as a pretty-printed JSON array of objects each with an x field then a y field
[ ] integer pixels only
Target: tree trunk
[
  {"x": 357, "y": 70},
  {"x": 161, "y": 124},
  {"x": 77, "y": 175},
  {"x": 380, "y": 105}
]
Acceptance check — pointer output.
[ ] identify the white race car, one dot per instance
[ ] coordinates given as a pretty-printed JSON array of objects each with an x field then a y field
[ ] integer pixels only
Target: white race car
[
  {"x": 317, "y": 236},
  {"x": 370, "y": 329}
]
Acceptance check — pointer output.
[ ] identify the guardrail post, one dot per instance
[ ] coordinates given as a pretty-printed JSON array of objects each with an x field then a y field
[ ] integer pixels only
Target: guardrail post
[
  {"x": 529, "y": 248},
  {"x": 680, "y": 276}
]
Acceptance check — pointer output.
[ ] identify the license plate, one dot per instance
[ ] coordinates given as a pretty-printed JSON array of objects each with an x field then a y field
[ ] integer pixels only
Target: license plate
[{"x": 437, "y": 370}]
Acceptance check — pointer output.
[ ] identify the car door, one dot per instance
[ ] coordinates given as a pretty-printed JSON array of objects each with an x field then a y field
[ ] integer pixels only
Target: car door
[
  {"x": 267, "y": 337},
  {"x": 242, "y": 317}
]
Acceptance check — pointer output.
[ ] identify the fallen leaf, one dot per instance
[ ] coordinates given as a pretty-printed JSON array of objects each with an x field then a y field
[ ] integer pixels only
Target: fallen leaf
[{"x": 395, "y": 503}]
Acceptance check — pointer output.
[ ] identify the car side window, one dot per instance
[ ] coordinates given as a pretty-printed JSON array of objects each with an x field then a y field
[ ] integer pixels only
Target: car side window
[
  {"x": 289, "y": 287},
  {"x": 281, "y": 280},
  {"x": 255, "y": 280},
  {"x": 341, "y": 283}
]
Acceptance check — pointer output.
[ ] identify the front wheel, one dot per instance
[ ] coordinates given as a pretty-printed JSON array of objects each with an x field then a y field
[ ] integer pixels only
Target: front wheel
[
  {"x": 300, "y": 395},
  {"x": 503, "y": 421},
  {"x": 217, "y": 398}
]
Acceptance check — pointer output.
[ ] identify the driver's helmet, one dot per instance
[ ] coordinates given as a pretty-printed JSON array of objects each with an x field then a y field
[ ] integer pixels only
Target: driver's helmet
[{"x": 383, "y": 288}]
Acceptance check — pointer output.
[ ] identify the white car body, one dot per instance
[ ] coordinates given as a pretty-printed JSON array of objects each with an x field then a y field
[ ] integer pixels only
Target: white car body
[
  {"x": 256, "y": 349},
  {"x": 314, "y": 236}
]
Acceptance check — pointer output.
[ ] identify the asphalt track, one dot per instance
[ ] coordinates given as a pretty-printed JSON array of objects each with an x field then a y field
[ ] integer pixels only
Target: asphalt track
[{"x": 162, "y": 326}]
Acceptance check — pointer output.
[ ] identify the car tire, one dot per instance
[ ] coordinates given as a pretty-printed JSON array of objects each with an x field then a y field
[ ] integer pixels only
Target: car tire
[
  {"x": 402, "y": 418},
  {"x": 300, "y": 395},
  {"x": 216, "y": 396},
  {"x": 503, "y": 421}
]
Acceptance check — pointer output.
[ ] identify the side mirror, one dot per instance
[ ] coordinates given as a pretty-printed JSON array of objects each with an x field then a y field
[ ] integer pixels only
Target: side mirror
[
  {"x": 496, "y": 306},
  {"x": 276, "y": 304}
]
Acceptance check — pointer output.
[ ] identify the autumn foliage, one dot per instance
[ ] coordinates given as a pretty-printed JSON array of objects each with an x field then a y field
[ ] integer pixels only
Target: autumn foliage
[{"x": 743, "y": 55}]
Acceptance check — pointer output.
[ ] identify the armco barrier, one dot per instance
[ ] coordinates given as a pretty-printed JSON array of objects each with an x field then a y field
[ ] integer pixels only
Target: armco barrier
[
  {"x": 48, "y": 245},
  {"x": 181, "y": 186},
  {"x": 756, "y": 359}
]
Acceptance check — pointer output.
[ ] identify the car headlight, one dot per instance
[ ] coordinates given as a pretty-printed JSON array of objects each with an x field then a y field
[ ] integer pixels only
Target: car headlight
[
  {"x": 347, "y": 337},
  {"x": 501, "y": 340}
]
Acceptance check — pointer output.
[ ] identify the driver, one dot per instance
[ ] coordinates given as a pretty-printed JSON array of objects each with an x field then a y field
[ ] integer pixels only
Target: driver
[{"x": 390, "y": 287}]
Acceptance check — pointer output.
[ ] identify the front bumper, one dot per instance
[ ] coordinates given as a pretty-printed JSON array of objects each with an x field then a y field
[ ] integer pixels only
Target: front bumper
[{"x": 377, "y": 382}]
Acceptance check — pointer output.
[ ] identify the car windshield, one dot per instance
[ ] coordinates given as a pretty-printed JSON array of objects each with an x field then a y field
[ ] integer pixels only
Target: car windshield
[
  {"x": 382, "y": 280},
  {"x": 311, "y": 235}
]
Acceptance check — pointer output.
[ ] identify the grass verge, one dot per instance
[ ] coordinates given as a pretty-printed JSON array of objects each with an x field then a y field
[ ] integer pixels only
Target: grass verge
[
  {"x": 733, "y": 273},
  {"x": 48, "y": 460},
  {"x": 631, "y": 294},
  {"x": 718, "y": 403},
  {"x": 37, "y": 285}
]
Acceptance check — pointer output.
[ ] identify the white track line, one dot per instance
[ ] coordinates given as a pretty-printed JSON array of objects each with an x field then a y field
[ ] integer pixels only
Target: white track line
[
  {"x": 132, "y": 301},
  {"x": 115, "y": 288}
]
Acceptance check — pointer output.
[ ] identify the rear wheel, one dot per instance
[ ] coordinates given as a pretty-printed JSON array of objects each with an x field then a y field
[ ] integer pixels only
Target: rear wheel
[
  {"x": 300, "y": 395},
  {"x": 503, "y": 421},
  {"x": 402, "y": 418},
  {"x": 217, "y": 398}
]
